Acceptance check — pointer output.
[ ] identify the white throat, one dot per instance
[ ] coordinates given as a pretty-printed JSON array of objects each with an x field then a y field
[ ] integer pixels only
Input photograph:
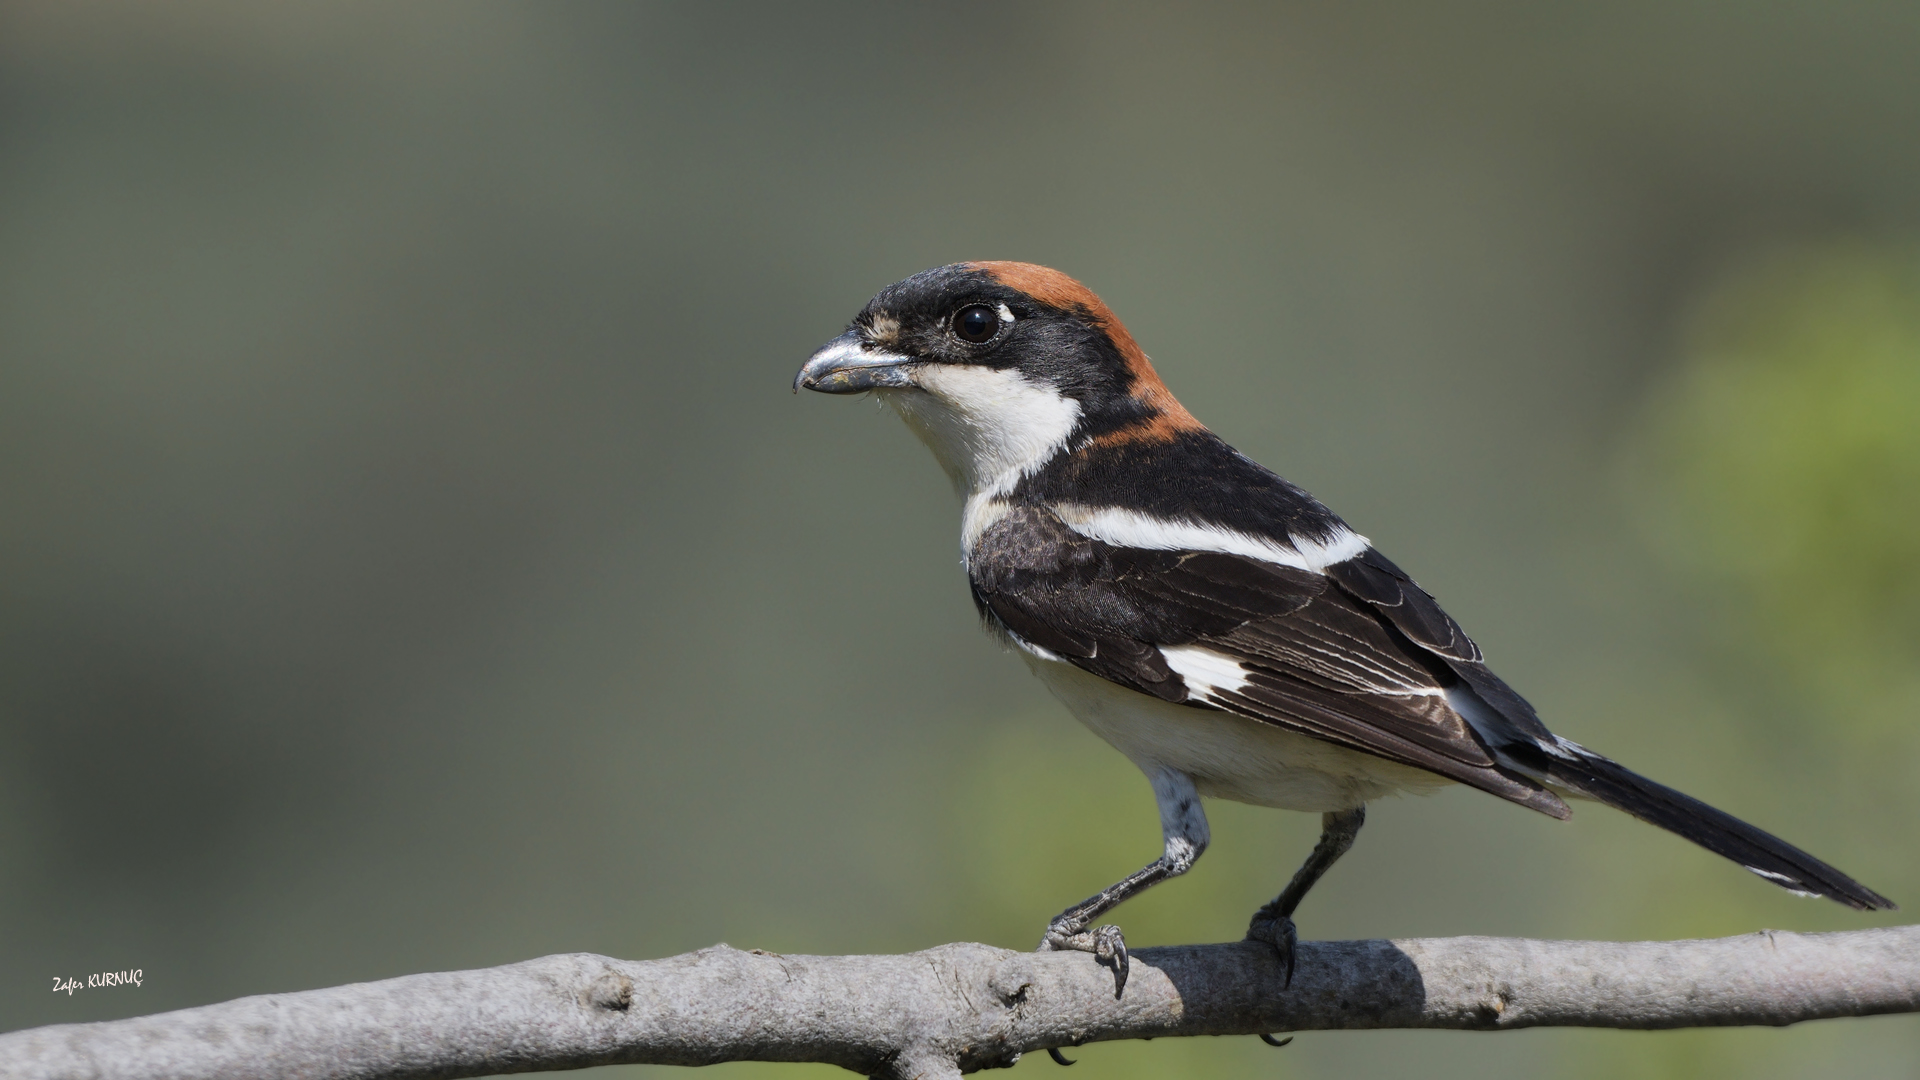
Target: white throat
[{"x": 987, "y": 427}]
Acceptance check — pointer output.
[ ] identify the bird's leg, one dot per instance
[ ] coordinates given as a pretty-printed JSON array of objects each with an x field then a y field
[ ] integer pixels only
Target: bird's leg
[
  {"x": 1273, "y": 923},
  {"x": 1184, "y": 825}
]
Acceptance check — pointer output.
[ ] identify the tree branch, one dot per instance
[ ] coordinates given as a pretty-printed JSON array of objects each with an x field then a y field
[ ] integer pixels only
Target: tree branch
[{"x": 958, "y": 1008}]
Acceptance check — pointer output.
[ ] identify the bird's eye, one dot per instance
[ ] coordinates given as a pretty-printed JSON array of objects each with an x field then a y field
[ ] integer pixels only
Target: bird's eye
[{"x": 976, "y": 323}]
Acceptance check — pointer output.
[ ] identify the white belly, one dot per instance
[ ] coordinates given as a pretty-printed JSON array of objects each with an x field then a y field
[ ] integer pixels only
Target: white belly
[{"x": 1228, "y": 756}]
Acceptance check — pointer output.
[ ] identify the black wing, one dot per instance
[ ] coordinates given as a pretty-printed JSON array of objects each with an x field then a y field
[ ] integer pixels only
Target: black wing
[
  {"x": 1319, "y": 659},
  {"x": 1360, "y": 656}
]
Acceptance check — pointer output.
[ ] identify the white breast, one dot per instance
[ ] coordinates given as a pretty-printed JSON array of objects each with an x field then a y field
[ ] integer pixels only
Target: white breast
[{"x": 1229, "y": 756}]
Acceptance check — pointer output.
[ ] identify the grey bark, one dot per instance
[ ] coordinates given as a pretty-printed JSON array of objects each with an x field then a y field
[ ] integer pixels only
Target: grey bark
[{"x": 959, "y": 1008}]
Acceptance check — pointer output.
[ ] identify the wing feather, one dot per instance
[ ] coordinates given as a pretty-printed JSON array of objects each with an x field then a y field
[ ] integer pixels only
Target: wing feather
[{"x": 1365, "y": 664}]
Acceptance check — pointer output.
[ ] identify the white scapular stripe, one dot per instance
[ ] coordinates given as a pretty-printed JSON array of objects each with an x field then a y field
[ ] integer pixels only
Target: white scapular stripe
[
  {"x": 1130, "y": 528},
  {"x": 1204, "y": 671}
]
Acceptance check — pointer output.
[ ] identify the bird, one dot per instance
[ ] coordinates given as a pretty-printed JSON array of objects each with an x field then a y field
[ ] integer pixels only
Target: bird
[{"x": 1220, "y": 627}]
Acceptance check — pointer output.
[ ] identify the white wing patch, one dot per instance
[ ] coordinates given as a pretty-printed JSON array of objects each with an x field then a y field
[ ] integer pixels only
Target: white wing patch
[
  {"x": 1130, "y": 528},
  {"x": 1205, "y": 672}
]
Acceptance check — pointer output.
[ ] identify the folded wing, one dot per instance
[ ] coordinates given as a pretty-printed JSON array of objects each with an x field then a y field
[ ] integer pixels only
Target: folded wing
[{"x": 1281, "y": 645}]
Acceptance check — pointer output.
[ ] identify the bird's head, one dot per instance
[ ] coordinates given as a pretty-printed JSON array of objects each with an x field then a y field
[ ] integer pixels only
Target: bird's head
[{"x": 998, "y": 367}]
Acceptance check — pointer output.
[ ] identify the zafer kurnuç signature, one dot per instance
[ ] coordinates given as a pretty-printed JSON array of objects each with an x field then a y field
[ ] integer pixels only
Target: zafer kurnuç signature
[{"x": 97, "y": 979}]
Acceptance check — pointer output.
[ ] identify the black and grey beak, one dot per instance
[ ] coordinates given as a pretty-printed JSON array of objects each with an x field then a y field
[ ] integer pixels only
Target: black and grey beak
[{"x": 847, "y": 365}]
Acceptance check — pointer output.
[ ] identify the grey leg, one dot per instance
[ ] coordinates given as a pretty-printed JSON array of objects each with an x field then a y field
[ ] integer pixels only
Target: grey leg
[
  {"x": 1184, "y": 825},
  {"x": 1274, "y": 922}
]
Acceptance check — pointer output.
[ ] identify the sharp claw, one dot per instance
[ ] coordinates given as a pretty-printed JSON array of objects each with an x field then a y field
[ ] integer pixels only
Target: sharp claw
[
  {"x": 1271, "y": 1041},
  {"x": 1280, "y": 934},
  {"x": 1109, "y": 947},
  {"x": 1062, "y": 1059},
  {"x": 1106, "y": 943}
]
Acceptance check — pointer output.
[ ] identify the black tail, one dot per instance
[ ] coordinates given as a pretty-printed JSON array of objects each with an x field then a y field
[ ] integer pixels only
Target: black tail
[{"x": 1582, "y": 770}]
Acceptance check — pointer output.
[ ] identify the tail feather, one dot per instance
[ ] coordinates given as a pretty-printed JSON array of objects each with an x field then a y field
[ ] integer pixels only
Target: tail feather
[{"x": 1572, "y": 766}]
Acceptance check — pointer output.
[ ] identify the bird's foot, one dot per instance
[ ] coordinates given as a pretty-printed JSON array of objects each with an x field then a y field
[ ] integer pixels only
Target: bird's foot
[
  {"x": 1105, "y": 942},
  {"x": 1277, "y": 931}
]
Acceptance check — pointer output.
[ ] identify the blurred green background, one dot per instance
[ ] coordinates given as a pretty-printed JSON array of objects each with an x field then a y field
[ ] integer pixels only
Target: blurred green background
[{"x": 411, "y": 556}]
